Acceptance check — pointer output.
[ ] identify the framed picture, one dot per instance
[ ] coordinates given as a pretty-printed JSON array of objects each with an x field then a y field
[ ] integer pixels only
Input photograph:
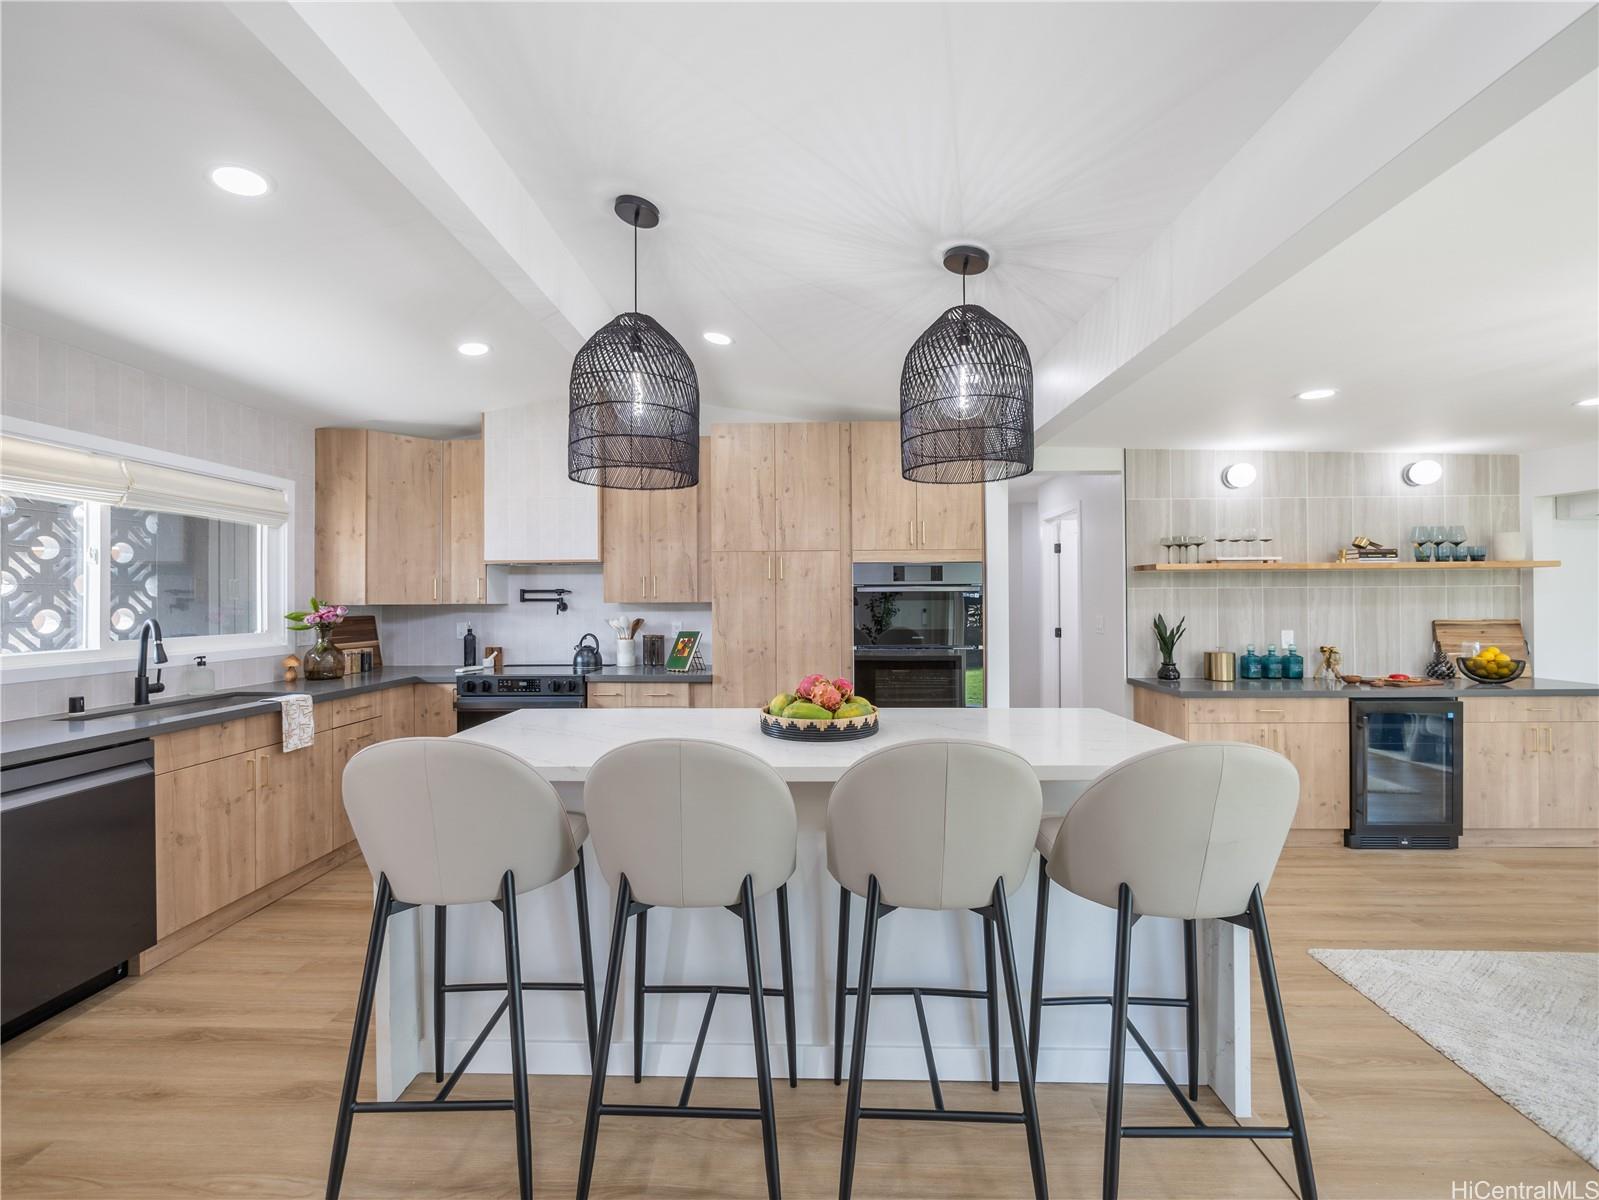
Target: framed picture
[{"x": 683, "y": 649}]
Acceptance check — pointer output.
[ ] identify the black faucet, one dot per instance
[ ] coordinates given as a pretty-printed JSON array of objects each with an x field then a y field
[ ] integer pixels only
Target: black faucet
[{"x": 142, "y": 687}]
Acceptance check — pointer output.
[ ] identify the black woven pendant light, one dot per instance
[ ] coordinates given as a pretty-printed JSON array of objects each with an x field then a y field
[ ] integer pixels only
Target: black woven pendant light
[
  {"x": 634, "y": 420},
  {"x": 966, "y": 393}
]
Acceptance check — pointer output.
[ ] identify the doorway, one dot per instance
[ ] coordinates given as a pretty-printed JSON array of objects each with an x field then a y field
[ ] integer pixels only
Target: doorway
[{"x": 1061, "y": 559}]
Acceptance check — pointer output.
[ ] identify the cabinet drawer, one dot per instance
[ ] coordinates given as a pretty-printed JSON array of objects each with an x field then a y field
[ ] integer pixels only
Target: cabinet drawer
[
  {"x": 657, "y": 695},
  {"x": 606, "y": 691},
  {"x": 1534, "y": 709},
  {"x": 1291, "y": 710},
  {"x": 207, "y": 743},
  {"x": 347, "y": 710}
]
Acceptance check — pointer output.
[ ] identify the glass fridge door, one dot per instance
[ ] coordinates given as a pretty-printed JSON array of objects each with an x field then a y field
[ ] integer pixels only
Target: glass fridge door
[{"x": 1409, "y": 767}]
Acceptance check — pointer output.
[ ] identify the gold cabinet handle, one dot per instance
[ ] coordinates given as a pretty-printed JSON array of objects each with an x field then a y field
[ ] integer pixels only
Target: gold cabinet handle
[
  {"x": 1279, "y": 711},
  {"x": 768, "y": 566},
  {"x": 250, "y": 762},
  {"x": 1548, "y": 739},
  {"x": 910, "y": 532},
  {"x": 435, "y": 587},
  {"x": 477, "y": 587},
  {"x": 924, "y": 533},
  {"x": 655, "y": 585},
  {"x": 266, "y": 774},
  {"x": 780, "y": 567}
]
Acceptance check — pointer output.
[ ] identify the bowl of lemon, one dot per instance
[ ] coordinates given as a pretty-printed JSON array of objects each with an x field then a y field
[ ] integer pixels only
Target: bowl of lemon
[{"x": 1491, "y": 666}]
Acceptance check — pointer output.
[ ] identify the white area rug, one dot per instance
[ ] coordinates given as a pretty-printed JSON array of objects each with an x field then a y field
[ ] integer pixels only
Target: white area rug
[{"x": 1526, "y": 1025}]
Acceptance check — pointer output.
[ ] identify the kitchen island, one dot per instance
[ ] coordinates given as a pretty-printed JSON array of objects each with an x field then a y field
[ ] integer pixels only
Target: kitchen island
[{"x": 1068, "y": 747}]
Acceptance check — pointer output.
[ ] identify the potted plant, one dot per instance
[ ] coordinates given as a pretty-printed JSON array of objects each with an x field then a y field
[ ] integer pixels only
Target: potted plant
[
  {"x": 1168, "y": 636},
  {"x": 321, "y": 661}
]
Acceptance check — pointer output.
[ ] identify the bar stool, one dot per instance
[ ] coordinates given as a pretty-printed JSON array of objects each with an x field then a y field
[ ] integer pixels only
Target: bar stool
[
  {"x": 941, "y": 826},
  {"x": 1048, "y": 832},
  {"x": 690, "y": 824},
  {"x": 443, "y": 822},
  {"x": 1188, "y": 832}
]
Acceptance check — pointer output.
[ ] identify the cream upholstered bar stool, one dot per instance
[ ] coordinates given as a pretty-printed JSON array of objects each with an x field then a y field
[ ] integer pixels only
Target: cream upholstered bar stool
[
  {"x": 1190, "y": 832},
  {"x": 942, "y": 826},
  {"x": 444, "y": 822},
  {"x": 679, "y": 823}
]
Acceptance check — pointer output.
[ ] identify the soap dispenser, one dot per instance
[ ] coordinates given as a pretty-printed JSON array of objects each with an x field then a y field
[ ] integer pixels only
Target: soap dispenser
[{"x": 202, "y": 679}]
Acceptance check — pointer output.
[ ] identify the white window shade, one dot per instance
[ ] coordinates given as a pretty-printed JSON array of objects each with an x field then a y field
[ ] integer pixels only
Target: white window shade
[
  {"x": 166, "y": 489},
  {"x": 62, "y": 473},
  {"x": 59, "y": 473}
]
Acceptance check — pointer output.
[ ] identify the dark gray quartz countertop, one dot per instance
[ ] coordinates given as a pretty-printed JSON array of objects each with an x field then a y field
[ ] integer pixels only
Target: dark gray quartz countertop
[
  {"x": 35, "y": 738},
  {"x": 1459, "y": 689}
]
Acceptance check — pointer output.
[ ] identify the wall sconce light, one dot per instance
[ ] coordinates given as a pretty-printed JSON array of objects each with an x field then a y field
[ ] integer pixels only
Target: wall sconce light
[
  {"x": 1239, "y": 475},
  {"x": 1422, "y": 473}
]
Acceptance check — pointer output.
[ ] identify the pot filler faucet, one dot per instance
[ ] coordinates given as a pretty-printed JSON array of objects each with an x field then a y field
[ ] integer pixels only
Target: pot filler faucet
[{"x": 142, "y": 687}]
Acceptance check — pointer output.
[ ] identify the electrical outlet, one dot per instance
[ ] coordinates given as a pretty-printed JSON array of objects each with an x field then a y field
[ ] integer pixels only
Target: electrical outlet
[
  {"x": 1288, "y": 638},
  {"x": 1099, "y": 624},
  {"x": 460, "y": 629}
]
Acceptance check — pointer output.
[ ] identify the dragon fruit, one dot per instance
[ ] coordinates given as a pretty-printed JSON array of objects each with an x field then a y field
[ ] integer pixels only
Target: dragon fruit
[
  {"x": 826, "y": 695},
  {"x": 804, "y": 688},
  {"x": 845, "y": 687}
]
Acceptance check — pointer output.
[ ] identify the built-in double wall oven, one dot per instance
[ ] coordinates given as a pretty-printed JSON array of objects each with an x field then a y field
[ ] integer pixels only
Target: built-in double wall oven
[{"x": 919, "y": 634}]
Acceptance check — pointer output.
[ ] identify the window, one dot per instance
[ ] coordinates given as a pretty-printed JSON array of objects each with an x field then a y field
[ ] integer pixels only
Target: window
[{"x": 94, "y": 545}]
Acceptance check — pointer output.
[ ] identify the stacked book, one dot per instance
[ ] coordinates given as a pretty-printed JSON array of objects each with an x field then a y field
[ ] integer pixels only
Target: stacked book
[{"x": 1368, "y": 554}]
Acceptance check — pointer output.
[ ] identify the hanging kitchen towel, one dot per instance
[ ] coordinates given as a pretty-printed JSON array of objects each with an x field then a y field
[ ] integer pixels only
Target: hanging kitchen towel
[{"x": 299, "y": 723}]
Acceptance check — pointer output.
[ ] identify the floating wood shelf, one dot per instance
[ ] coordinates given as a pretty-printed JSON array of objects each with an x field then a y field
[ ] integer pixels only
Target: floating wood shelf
[{"x": 1513, "y": 565}]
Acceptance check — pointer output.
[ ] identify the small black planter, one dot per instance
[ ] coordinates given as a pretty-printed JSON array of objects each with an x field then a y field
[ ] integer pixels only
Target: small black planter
[{"x": 1168, "y": 670}]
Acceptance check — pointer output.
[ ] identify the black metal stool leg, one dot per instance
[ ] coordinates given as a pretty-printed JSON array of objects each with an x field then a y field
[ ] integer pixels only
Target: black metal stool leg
[
  {"x": 1118, "y": 1042},
  {"x": 638, "y": 996},
  {"x": 1191, "y": 994},
  {"x": 786, "y": 950},
  {"x": 857, "y": 1062},
  {"x": 363, "y": 1020},
  {"x": 613, "y": 983},
  {"x": 513, "y": 989},
  {"x": 840, "y": 985},
  {"x": 585, "y": 947},
  {"x": 763, "y": 1062},
  {"x": 1040, "y": 932},
  {"x": 1024, "y": 1074},
  {"x": 989, "y": 976},
  {"x": 1283, "y": 1052},
  {"x": 439, "y": 924}
]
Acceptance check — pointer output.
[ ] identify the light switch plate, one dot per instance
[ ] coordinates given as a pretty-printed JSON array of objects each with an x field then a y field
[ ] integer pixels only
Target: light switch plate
[
  {"x": 1288, "y": 638},
  {"x": 460, "y": 629}
]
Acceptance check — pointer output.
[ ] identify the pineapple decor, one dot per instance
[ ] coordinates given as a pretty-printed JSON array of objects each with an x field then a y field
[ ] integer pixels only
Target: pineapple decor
[{"x": 1440, "y": 668}]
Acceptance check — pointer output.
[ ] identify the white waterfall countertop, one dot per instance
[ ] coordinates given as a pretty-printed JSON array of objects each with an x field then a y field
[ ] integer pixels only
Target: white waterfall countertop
[{"x": 1062, "y": 744}]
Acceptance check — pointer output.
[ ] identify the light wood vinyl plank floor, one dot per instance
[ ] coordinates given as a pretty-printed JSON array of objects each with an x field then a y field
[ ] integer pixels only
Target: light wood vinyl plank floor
[{"x": 217, "y": 1075}]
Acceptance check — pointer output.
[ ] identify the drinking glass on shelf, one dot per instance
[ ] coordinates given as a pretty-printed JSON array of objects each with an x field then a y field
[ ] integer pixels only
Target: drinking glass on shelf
[
  {"x": 1195, "y": 541},
  {"x": 1166, "y": 544},
  {"x": 1420, "y": 537},
  {"x": 1250, "y": 537},
  {"x": 1266, "y": 536},
  {"x": 1455, "y": 535}
]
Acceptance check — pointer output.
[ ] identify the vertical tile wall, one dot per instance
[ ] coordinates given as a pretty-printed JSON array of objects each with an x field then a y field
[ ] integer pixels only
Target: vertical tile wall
[
  {"x": 1313, "y": 503},
  {"x": 53, "y": 383}
]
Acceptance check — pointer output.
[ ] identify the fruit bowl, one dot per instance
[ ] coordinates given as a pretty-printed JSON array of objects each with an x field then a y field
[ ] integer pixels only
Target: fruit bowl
[
  {"x": 812, "y": 729},
  {"x": 819, "y": 710},
  {"x": 1500, "y": 671}
]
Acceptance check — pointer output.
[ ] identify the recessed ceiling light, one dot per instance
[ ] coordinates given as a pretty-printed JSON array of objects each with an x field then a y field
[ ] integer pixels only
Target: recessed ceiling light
[
  {"x": 473, "y": 349},
  {"x": 1318, "y": 394},
  {"x": 1592, "y": 402},
  {"x": 241, "y": 181},
  {"x": 717, "y": 339},
  {"x": 1422, "y": 473}
]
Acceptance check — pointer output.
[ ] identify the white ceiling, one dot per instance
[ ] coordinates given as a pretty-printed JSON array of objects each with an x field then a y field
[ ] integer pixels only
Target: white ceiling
[
  {"x": 809, "y": 160},
  {"x": 337, "y": 295},
  {"x": 1465, "y": 318}
]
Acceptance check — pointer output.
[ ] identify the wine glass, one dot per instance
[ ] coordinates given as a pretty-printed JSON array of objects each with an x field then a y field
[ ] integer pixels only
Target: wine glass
[
  {"x": 1250, "y": 537},
  {"x": 1167, "y": 543},
  {"x": 1455, "y": 535},
  {"x": 1266, "y": 536},
  {"x": 1420, "y": 536}
]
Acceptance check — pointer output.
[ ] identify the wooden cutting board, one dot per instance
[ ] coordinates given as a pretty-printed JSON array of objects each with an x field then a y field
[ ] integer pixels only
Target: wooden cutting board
[
  {"x": 1383, "y": 681},
  {"x": 358, "y": 632},
  {"x": 1504, "y": 632}
]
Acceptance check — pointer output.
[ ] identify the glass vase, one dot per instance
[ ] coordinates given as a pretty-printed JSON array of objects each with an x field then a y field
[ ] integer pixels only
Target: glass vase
[{"x": 322, "y": 661}]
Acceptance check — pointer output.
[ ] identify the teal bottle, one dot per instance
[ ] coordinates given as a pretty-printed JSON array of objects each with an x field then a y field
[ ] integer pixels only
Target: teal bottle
[
  {"x": 1293, "y": 664},
  {"x": 1272, "y": 664},
  {"x": 1249, "y": 667}
]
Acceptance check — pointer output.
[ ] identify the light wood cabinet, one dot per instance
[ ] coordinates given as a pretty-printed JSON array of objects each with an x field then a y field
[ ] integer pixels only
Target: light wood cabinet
[
  {"x": 743, "y": 601},
  {"x": 1320, "y": 753},
  {"x": 651, "y": 545},
  {"x": 533, "y": 513},
  {"x": 399, "y": 520},
  {"x": 345, "y": 744},
  {"x": 889, "y": 513},
  {"x": 606, "y": 695},
  {"x": 780, "y": 487},
  {"x": 435, "y": 709},
  {"x": 744, "y": 502},
  {"x": 778, "y": 617},
  {"x": 205, "y": 839},
  {"x": 1530, "y": 774},
  {"x": 465, "y": 573},
  {"x": 656, "y": 695},
  {"x": 292, "y": 818}
]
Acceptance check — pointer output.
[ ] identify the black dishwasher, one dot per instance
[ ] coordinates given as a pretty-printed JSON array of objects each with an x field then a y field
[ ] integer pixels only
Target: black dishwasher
[{"x": 77, "y": 877}]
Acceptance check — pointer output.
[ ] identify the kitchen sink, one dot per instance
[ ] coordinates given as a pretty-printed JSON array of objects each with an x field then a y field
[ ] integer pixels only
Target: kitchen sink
[{"x": 178, "y": 704}]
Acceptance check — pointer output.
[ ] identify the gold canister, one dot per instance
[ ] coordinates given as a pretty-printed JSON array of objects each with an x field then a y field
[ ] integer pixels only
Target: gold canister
[{"x": 1219, "y": 665}]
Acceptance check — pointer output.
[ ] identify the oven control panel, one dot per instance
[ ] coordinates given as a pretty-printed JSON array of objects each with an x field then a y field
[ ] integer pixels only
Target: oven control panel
[{"x": 521, "y": 685}]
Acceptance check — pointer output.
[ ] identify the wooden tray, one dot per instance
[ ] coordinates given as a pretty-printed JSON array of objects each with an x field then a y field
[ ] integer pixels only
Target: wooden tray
[
  {"x": 1382, "y": 681},
  {"x": 1504, "y": 632}
]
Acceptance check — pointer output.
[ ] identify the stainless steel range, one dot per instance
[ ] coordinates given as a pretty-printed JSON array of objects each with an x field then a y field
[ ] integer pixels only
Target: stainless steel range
[{"x": 481, "y": 698}]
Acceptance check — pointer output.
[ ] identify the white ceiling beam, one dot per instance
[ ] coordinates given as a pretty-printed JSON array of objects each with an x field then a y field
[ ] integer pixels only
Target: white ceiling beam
[
  {"x": 1414, "y": 89},
  {"x": 367, "y": 66}
]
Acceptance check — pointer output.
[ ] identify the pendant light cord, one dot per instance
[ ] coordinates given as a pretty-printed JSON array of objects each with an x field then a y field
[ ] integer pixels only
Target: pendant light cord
[{"x": 635, "y": 261}]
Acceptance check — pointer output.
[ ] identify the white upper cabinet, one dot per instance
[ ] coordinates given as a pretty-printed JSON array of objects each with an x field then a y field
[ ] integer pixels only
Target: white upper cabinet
[{"x": 532, "y": 513}]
